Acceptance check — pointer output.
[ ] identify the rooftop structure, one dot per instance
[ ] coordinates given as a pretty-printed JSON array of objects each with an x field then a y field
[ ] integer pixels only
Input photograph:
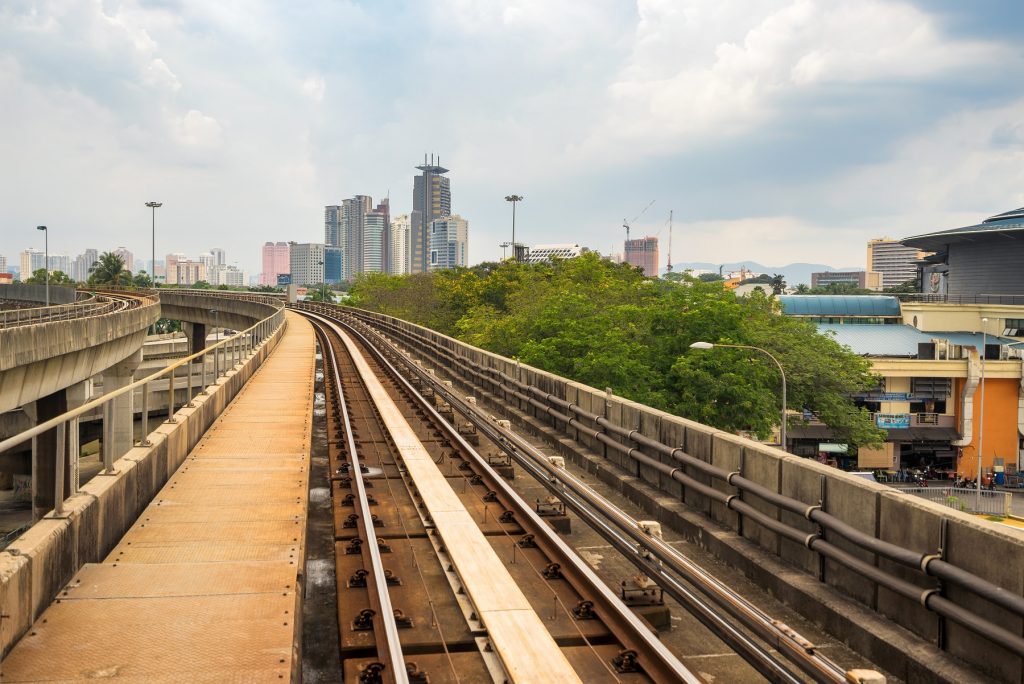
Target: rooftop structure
[{"x": 541, "y": 253}]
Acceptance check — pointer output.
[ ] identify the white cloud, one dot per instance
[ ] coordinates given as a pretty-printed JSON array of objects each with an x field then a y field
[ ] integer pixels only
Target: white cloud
[
  {"x": 314, "y": 87},
  {"x": 195, "y": 129}
]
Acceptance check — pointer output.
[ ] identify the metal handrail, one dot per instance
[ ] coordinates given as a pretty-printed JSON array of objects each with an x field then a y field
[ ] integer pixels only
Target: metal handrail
[
  {"x": 237, "y": 346},
  {"x": 59, "y": 312}
]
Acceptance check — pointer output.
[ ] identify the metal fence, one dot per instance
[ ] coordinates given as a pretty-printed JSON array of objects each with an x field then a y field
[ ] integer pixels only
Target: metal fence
[
  {"x": 226, "y": 354},
  {"x": 967, "y": 500}
]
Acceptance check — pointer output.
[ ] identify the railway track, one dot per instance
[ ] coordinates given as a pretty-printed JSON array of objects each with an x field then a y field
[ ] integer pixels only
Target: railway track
[{"x": 444, "y": 573}]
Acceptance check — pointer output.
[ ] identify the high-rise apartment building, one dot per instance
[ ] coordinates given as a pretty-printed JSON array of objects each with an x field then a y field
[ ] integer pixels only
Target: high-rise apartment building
[
  {"x": 431, "y": 199},
  {"x": 31, "y": 261},
  {"x": 127, "y": 257},
  {"x": 60, "y": 262},
  {"x": 83, "y": 263},
  {"x": 171, "y": 267},
  {"x": 352, "y": 233},
  {"x": 894, "y": 260},
  {"x": 449, "y": 242},
  {"x": 223, "y": 274},
  {"x": 275, "y": 262},
  {"x": 398, "y": 245},
  {"x": 643, "y": 254},
  {"x": 306, "y": 262},
  {"x": 3, "y": 264},
  {"x": 187, "y": 272},
  {"x": 219, "y": 258},
  {"x": 208, "y": 260}
]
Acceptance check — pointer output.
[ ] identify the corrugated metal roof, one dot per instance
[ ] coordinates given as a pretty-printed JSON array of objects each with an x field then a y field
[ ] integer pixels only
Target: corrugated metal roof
[
  {"x": 839, "y": 305},
  {"x": 899, "y": 340}
]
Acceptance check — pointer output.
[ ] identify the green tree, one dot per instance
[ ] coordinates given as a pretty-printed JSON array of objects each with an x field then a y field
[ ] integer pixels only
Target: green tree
[
  {"x": 201, "y": 285},
  {"x": 38, "y": 277},
  {"x": 710, "y": 277},
  {"x": 142, "y": 279},
  {"x": 320, "y": 293},
  {"x": 109, "y": 270},
  {"x": 907, "y": 287},
  {"x": 778, "y": 283}
]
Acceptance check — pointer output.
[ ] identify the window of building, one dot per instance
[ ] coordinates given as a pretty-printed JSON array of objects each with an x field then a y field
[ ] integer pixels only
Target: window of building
[{"x": 1013, "y": 327}]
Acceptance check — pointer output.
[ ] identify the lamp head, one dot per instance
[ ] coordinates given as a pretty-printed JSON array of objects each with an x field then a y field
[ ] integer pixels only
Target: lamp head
[
  {"x": 40, "y": 227},
  {"x": 513, "y": 198},
  {"x": 701, "y": 345},
  {"x": 154, "y": 205}
]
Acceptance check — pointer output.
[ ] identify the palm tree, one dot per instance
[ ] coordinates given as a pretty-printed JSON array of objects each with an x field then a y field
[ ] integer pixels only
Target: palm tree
[
  {"x": 109, "y": 270},
  {"x": 778, "y": 283}
]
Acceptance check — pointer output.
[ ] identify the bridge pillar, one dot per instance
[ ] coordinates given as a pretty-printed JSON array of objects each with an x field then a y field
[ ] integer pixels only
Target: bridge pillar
[
  {"x": 197, "y": 337},
  {"x": 44, "y": 453},
  {"x": 119, "y": 412},
  {"x": 77, "y": 395}
]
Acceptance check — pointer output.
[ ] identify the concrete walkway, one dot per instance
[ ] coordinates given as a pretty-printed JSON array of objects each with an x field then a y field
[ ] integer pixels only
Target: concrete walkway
[{"x": 203, "y": 587}]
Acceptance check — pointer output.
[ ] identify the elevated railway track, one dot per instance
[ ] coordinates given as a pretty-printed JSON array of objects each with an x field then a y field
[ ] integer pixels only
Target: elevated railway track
[{"x": 397, "y": 437}]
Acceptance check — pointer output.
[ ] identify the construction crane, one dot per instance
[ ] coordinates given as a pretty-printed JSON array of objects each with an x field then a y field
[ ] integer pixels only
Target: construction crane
[
  {"x": 625, "y": 223},
  {"x": 668, "y": 269}
]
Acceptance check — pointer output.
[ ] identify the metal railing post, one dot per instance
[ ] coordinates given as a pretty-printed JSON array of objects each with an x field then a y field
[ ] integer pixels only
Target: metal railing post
[
  {"x": 145, "y": 416},
  {"x": 188, "y": 370},
  {"x": 108, "y": 437},
  {"x": 170, "y": 397},
  {"x": 58, "y": 486}
]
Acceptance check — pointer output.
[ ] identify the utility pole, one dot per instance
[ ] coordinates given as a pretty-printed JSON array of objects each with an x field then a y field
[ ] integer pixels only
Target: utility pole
[
  {"x": 669, "y": 268},
  {"x": 152, "y": 263},
  {"x": 46, "y": 260},
  {"x": 514, "y": 199}
]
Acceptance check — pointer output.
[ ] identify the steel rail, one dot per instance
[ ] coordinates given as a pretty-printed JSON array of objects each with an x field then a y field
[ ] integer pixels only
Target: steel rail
[
  {"x": 388, "y": 645},
  {"x": 639, "y": 636},
  {"x": 928, "y": 564},
  {"x": 611, "y": 523}
]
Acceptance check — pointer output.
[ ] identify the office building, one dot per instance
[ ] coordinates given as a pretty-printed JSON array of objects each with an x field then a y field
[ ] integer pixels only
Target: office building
[
  {"x": 542, "y": 253},
  {"x": 431, "y": 199},
  {"x": 306, "y": 263},
  {"x": 895, "y": 261},
  {"x": 449, "y": 242},
  {"x": 332, "y": 224},
  {"x": 31, "y": 261},
  {"x": 223, "y": 274},
  {"x": 3, "y": 264},
  {"x": 275, "y": 262},
  {"x": 864, "y": 280},
  {"x": 127, "y": 257},
  {"x": 375, "y": 240},
  {"x": 398, "y": 245},
  {"x": 352, "y": 233},
  {"x": 334, "y": 264},
  {"x": 643, "y": 254},
  {"x": 218, "y": 256}
]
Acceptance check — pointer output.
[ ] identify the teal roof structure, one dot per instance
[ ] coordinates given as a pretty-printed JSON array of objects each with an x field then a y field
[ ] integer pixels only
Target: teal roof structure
[
  {"x": 900, "y": 340},
  {"x": 840, "y": 305}
]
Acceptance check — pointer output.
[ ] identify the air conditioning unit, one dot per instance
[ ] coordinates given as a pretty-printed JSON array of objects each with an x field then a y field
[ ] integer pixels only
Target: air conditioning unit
[{"x": 1012, "y": 353}]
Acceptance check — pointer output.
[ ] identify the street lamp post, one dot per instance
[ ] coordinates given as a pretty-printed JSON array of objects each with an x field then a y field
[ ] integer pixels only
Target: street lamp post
[
  {"x": 981, "y": 417},
  {"x": 152, "y": 263},
  {"x": 216, "y": 339},
  {"x": 514, "y": 199},
  {"x": 782, "y": 372},
  {"x": 46, "y": 260}
]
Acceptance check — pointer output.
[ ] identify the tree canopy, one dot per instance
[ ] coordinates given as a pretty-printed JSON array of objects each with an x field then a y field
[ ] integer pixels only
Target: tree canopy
[
  {"x": 109, "y": 270},
  {"x": 606, "y": 325},
  {"x": 38, "y": 277}
]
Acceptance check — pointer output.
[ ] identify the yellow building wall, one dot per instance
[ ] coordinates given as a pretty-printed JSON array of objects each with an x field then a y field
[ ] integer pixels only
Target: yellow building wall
[{"x": 1000, "y": 427}]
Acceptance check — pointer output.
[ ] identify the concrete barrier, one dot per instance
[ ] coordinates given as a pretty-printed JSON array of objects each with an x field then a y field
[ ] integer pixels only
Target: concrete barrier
[
  {"x": 22, "y": 292},
  {"x": 989, "y": 551},
  {"x": 35, "y": 567}
]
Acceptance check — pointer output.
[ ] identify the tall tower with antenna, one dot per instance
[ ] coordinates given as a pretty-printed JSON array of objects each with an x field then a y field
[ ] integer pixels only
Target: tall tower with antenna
[{"x": 668, "y": 268}]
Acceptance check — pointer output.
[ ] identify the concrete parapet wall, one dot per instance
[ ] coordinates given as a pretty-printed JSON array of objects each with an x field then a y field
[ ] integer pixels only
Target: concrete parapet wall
[
  {"x": 35, "y": 567},
  {"x": 232, "y": 312},
  {"x": 989, "y": 551},
  {"x": 23, "y": 292}
]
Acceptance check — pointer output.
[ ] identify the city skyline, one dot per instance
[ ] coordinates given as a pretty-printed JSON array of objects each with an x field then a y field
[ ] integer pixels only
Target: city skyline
[{"x": 800, "y": 128}]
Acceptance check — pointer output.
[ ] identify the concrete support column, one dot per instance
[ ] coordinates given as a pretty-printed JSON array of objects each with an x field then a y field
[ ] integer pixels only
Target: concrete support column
[
  {"x": 197, "y": 336},
  {"x": 77, "y": 395},
  {"x": 44, "y": 453},
  {"x": 119, "y": 412}
]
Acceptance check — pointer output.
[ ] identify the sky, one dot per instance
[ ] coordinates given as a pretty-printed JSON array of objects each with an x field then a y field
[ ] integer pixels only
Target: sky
[{"x": 777, "y": 131}]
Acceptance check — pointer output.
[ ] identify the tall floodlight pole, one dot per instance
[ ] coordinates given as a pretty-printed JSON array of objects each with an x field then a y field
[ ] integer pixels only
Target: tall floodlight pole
[
  {"x": 514, "y": 199},
  {"x": 782, "y": 428},
  {"x": 46, "y": 258},
  {"x": 981, "y": 418},
  {"x": 152, "y": 263}
]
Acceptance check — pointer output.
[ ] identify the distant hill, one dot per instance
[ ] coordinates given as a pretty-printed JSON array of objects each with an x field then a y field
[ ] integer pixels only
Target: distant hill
[{"x": 794, "y": 273}]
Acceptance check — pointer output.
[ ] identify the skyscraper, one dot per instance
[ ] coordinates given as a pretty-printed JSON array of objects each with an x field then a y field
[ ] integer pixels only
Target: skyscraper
[
  {"x": 332, "y": 225},
  {"x": 353, "y": 218},
  {"x": 334, "y": 260},
  {"x": 171, "y": 267},
  {"x": 219, "y": 258},
  {"x": 398, "y": 245},
  {"x": 643, "y": 253},
  {"x": 449, "y": 242},
  {"x": 31, "y": 261},
  {"x": 894, "y": 260},
  {"x": 275, "y": 262},
  {"x": 431, "y": 199},
  {"x": 209, "y": 261},
  {"x": 60, "y": 262},
  {"x": 376, "y": 253}
]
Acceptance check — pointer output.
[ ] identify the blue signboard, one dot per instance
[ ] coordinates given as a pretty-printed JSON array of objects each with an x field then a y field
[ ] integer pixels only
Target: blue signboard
[{"x": 892, "y": 421}]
